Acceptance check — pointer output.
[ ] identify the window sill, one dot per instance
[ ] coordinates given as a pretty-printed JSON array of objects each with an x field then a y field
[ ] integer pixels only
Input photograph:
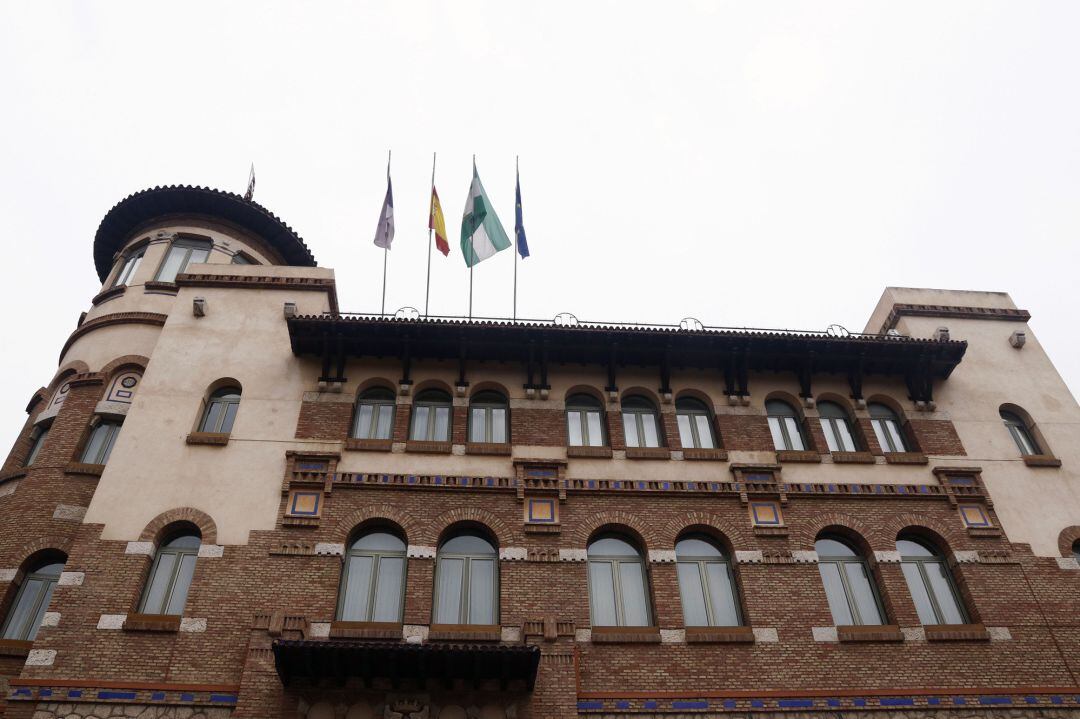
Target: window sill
[
  {"x": 106, "y": 295},
  {"x": 716, "y": 455},
  {"x": 852, "y": 458},
  {"x": 369, "y": 445},
  {"x": 465, "y": 633},
  {"x": 160, "y": 288},
  {"x": 1041, "y": 460},
  {"x": 648, "y": 453},
  {"x": 955, "y": 632},
  {"x": 494, "y": 448},
  {"x": 797, "y": 455},
  {"x": 152, "y": 623},
  {"x": 770, "y": 530},
  {"x": 92, "y": 470},
  {"x": 869, "y": 633},
  {"x": 720, "y": 635},
  {"x": 425, "y": 447},
  {"x": 14, "y": 648},
  {"x": 215, "y": 439},
  {"x": 906, "y": 458},
  {"x": 626, "y": 635},
  {"x": 595, "y": 452},
  {"x": 365, "y": 630}
]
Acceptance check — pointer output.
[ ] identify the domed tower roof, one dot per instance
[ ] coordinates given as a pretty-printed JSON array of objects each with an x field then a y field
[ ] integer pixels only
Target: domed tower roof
[{"x": 136, "y": 210}]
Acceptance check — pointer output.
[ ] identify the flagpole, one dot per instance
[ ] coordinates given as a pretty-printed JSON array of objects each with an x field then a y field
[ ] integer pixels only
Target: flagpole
[
  {"x": 431, "y": 210},
  {"x": 386, "y": 250},
  {"x": 473, "y": 265},
  {"x": 515, "y": 247}
]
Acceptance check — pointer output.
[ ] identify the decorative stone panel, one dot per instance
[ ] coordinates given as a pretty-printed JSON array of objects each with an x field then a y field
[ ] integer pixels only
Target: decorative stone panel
[
  {"x": 330, "y": 549},
  {"x": 968, "y": 556},
  {"x": 754, "y": 556},
  {"x": 69, "y": 511},
  {"x": 672, "y": 636},
  {"x": 71, "y": 579},
  {"x": 513, "y": 554},
  {"x": 1062, "y": 562},
  {"x": 804, "y": 556},
  {"x": 999, "y": 634},
  {"x": 50, "y": 619},
  {"x": 111, "y": 621},
  {"x": 419, "y": 551},
  {"x": 8, "y": 575},
  {"x": 766, "y": 635},
  {"x": 825, "y": 634},
  {"x": 41, "y": 658},
  {"x": 211, "y": 551},
  {"x": 662, "y": 556},
  {"x": 414, "y": 633},
  {"x": 573, "y": 555},
  {"x": 146, "y": 548},
  {"x": 192, "y": 624},
  {"x": 889, "y": 557}
]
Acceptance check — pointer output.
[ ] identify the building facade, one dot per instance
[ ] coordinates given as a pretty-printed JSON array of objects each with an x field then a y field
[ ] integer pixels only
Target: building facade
[{"x": 233, "y": 500}]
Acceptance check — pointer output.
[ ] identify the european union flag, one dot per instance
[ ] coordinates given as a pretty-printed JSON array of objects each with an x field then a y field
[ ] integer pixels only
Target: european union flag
[{"x": 519, "y": 226}]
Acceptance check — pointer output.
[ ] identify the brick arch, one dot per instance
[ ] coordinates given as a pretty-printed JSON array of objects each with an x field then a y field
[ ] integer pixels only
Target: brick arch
[
  {"x": 425, "y": 385},
  {"x": 947, "y": 539},
  {"x": 735, "y": 537},
  {"x": 586, "y": 389},
  {"x": 786, "y": 398},
  {"x": 125, "y": 362},
  {"x": 587, "y": 527},
  {"x": 348, "y": 524},
  {"x": 376, "y": 383},
  {"x": 433, "y": 530},
  {"x": 804, "y": 536},
  {"x": 202, "y": 520},
  {"x": 640, "y": 391},
  {"x": 489, "y": 386},
  {"x": 70, "y": 369},
  {"x": 1068, "y": 536},
  {"x": 839, "y": 400},
  {"x": 46, "y": 543},
  {"x": 699, "y": 395},
  {"x": 889, "y": 402}
]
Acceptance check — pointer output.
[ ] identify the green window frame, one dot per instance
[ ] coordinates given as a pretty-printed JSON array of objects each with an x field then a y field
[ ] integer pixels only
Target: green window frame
[
  {"x": 695, "y": 424},
  {"x": 129, "y": 267},
  {"x": 170, "y": 577},
  {"x": 836, "y": 424},
  {"x": 887, "y": 428},
  {"x": 373, "y": 579},
  {"x": 784, "y": 426},
  {"x": 40, "y": 433},
  {"x": 1020, "y": 433},
  {"x": 641, "y": 422},
  {"x": 618, "y": 583},
  {"x": 707, "y": 585},
  {"x": 466, "y": 581},
  {"x": 374, "y": 415},
  {"x": 220, "y": 411},
  {"x": 100, "y": 442},
  {"x": 180, "y": 254},
  {"x": 31, "y": 602},
  {"x": 432, "y": 417},
  {"x": 930, "y": 582},
  {"x": 489, "y": 415},
  {"x": 849, "y": 584},
  {"x": 584, "y": 421}
]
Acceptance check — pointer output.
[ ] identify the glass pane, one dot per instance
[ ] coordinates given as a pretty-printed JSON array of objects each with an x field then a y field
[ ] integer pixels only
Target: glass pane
[
  {"x": 354, "y": 607},
  {"x": 19, "y": 617},
  {"x": 834, "y": 591},
  {"x": 630, "y": 429},
  {"x": 828, "y": 426},
  {"x": 363, "y": 421},
  {"x": 941, "y": 585},
  {"x": 908, "y": 548},
  {"x": 110, "y": 440},
  {"x": 94, "y": 445},
  {"x": 442, "y": 424},
  {"x": 171, "y": 265},
  {"x": 686, "y": 435},
  {"x": 612, "y": 547},
  {"x": 42, "y": 608},
  {"x": 36, "y": 447},
  {"x": 385, "y": 416},
  {"x": 182, "y": 585},
  {"x": 832, "y": 548},
  {"x": 420, "y": 422},
  {"x": 862, "y": 593},
  {"x": 477, "y": 425},
  {"x": 230, "y": 415},
  {"x": 573, "y": 427},
  {"x": 481, "y": 591},
  {"x": 379, "y": 541},
  {"x": 632, "y": 592},
  {"x": 388, "y": 590},
  {"x": 652, "y": 432},
  {"x": 693, "y": 595},
  {"x": 448, "y": 601},
  {"x": 722, "y": 595},
  {"x": 1023, "y": 441},
  {"x": 918, "y": 593},
  {"x": 159, "y": 582},
  {"x": 602, "y": 594},
  {"x": 793, "y": 433},
  {"x": 882, "y": 435},
  {"x": 468, "y": 544},
  {"x": 777, "y": 433},
  {"x": 704, "y": 432},
  {"x": 897, "y": 438},
  {"x": 498, "y": 424},
  {"x": 212, "y": 418},
  {"x": 694, "y": 547},
  {"x": 847, "y": 442},
  {"x": 196, "y": 257},
  {"x": 596, "y": 433}
]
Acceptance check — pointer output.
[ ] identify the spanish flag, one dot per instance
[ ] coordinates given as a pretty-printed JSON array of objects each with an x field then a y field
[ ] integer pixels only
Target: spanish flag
[{"x": 437, "y": 223}]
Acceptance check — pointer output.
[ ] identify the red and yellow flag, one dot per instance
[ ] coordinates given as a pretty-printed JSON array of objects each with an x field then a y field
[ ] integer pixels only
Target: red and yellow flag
[{"x": 437, "y": 223}]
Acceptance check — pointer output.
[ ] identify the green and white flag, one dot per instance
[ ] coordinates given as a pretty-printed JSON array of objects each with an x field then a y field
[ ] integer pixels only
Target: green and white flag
[{"x": 482, "y": 235}]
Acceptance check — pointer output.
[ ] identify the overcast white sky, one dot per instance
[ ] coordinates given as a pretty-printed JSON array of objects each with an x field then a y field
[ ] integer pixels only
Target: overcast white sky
[{"x": 769, "y": 164}]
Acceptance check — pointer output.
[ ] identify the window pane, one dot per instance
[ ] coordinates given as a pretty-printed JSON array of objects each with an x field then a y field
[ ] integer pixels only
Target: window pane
[
  {"x": 196, "y": 256},
  {"x": 481, "y": 591},
  {"x": 693, "y": 595},
  {"x": 159, "y": 582},
  {"x": 183, "y": 583},
  {"x": 847, "y": 443},
  {"x": 686, "y": 436},
  {"x": 834, "y": 591},
  {"x": 94, "y": 445},
  {"x": 918, "y": 593},
  {"x": 230, "y": 415},
  {"x": 652, "y": 433},
  {"x": 383, "y": 421},
  {"x": 862, "y": 593},
  {"x": 477, "y": 431},
  {"x": 420, "y": 422},
  {"x": 704, "y": 431},
  {"x": 212, "y": 418},
  {"x": 110, "y": 440},
  {"x": 20, "y": 615},
  {"x": 828, "y": 426},
  {"x": 793, "y": 433},
  {"x": 442, "y": 424},
  {"x": 363, "y": 421},
  {"x": 777, "y": 433},
  {"x": 596, "y": 433},
  {"x": 354, "y": 607},
  {"x": 630, "y": 429},
  {"x": 722, "y": 595},
  {"x": 36, "y": 447},
  {"x": 1023, "y": 441},
  {"x": 632, "y": 586},
  {"x": 388, "y": 590},
  {"x": 573, "y": 427},
  {"x": 943, "y": 593},
  {"x": 498, "y": 424},
  {"x": 448, "y": 602},
  {"x": 882, "y": 435},
  {"x": 171, "y": 266},
  {"x": 602, "y": 594},
  {"x": 897, "y": 438},
  {"x": 43, "y": 607}
]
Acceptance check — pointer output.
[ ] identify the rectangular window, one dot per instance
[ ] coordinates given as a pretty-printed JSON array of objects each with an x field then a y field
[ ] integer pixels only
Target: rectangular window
[
  {"x": 131, "y": 265},
  {"x": 181, "y": 254},
  {"x": 450, "y": 572},
  {"x": 35, "y": 448},
  {"x": 686, "y": 434},
  {"x": 100, "y": 443},
  {"x": 357, "y": 589},
  {"x": 388, "y": 590},
  {"x": 691, "y": 588},
  {"x": 602, "y": 594}
]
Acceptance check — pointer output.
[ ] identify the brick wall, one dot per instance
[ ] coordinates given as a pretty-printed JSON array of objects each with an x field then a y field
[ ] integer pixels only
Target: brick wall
[{"x": 936, "y": 437}]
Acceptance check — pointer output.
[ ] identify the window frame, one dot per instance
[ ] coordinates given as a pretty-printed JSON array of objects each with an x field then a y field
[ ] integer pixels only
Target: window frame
[
  {"x": 638, "y": 412},
  {"x": 920, "y": 563},
  {"x": 487, "y": 402},
  {"x": 1021, "y": 433},
  {"x": 583, "y": 405},
  {"x": 129, "y": 266},
  {"x": 782, "y": 427},
  {"x": 189, "y": 245},
  {"x": 170, "y": 587},
  {"x": 614, "y": 564},
  {"x": 702, "y": 562},
  {"x": 36, "y": 443},
  {"x": 371, "y": 398},
  {"x": 32, "y": 623},
  {"x": 445, "y": 401},
  {"x": 377, "y": 556},
  {"x": 465, "y": 596},
  {"x": 830, "y": 427},
  {"x": 887, "y": 428},
  {"x": 218, "y": 397},
  {"x": 112, "y": 427},
  {"x": 692, "y": 408},
  {"x": 845, "y": 582}
]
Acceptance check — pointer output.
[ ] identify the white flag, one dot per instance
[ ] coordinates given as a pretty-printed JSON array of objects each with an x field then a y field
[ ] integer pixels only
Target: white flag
[{"x": 384, "y": 235}]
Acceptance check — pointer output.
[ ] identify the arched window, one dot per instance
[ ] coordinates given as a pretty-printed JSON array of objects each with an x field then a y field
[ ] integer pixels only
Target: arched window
[
  {"x": 887, "y": 428},
  {"x": 930, "y": 583},
  {"x": 170, "y": 578},
  {"x": 128, "y": 269},
  {"x": 487, "y": 418},
  {"x": 695, "y": 424},
  {"x": 221, "y": 410},
  {"x": 837, "y": 427},
  {"x": 784, "y": 425},
  {"x": 706, "y": 583},
  {"x": 32, "y": 601},
  {"x": 618, "y": 591},
  {"x": 373, "y": 579},
  {"x": 584, "y": 421},
  {"x": 431, "y": 416},
  {"x": 849, "y": 586},
  {"x": 37, "y": 440},
  {"x": 641, "y": 426},
  {"x": 100, "y": 442},
  {"x": 467, "y": 581},
  {"x": 1020, "y": 432},
  {"x": 182, "y": 253},
  {"x": 374, "y": 418}
]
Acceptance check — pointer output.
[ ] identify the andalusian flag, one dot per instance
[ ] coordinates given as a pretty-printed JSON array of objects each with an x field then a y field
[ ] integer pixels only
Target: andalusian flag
[
  {"x": 437, "y": 223},
  {"x": 482, "y": 235}
]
